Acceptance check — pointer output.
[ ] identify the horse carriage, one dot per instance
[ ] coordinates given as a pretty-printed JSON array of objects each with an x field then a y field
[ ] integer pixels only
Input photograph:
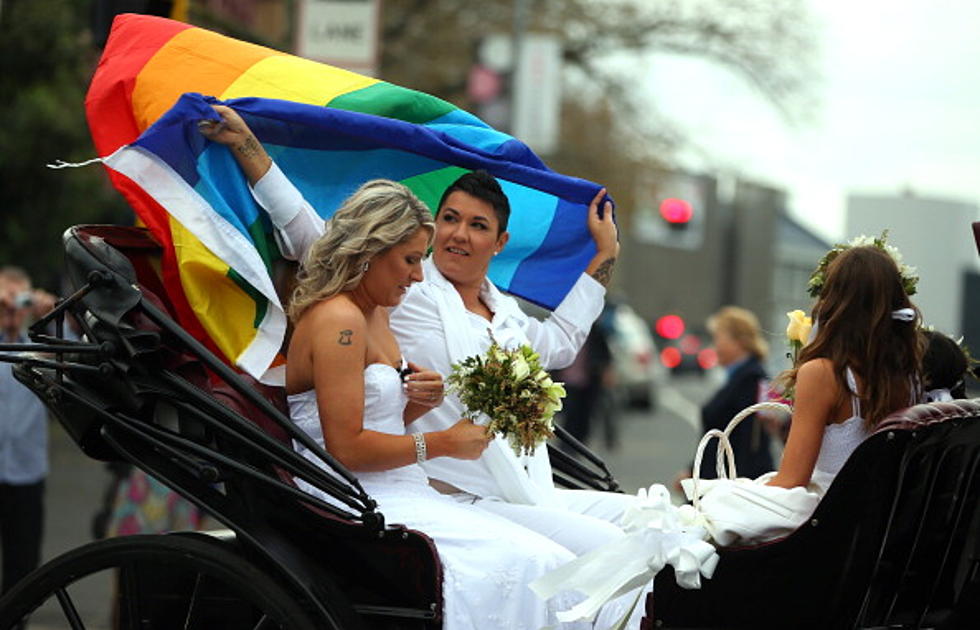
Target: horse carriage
[{"x": 893, "y": 544}]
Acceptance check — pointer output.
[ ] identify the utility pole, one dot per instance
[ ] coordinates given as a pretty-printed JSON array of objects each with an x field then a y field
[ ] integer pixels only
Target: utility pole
[{"x": 516, "y": 46}]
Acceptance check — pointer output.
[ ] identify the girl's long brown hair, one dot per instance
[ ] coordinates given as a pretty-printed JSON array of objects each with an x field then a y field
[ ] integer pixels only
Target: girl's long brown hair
[{"x": 855, "y": 329}]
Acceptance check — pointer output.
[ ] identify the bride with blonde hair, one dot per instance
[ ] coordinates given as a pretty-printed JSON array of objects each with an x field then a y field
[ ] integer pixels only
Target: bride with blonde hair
[{"x": 351, "y": 391}]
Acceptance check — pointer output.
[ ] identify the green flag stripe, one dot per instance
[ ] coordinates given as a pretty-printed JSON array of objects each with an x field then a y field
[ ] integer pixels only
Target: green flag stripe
[{"x": 392, "y": 101}]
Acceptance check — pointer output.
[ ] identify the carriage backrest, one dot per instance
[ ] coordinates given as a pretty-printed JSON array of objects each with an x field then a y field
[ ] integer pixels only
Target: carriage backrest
[
  {"x": 893, "y": 541},
  {"x": 205, "y": 430},
  {"x": 897, "y": 520},
  {"x": 929, "y": 548}
]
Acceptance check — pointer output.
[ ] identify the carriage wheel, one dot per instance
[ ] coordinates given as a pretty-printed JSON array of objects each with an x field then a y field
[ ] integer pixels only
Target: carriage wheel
[{"x": 154, "y": 582}]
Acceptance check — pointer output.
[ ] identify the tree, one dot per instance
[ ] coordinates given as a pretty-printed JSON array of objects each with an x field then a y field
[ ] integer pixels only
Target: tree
[
  {"x": 426, "y": 43},
  {"x": 430, "y": 45},
  {"x": 45, "y": 63}
]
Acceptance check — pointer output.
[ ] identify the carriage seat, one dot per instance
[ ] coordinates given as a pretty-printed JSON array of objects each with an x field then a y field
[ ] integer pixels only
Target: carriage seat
[
  {"x": 182, "y": 414},
  {"x": 893, "y": 543}
]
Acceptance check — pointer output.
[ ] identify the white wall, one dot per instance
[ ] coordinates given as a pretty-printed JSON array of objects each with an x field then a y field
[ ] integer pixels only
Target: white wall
[{"x": 933, "y": 235}]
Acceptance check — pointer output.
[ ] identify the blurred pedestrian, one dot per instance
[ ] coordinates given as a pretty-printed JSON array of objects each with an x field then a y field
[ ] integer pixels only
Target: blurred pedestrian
[
  {"x": 23, "y": 437},
  {"x": 136, "y": 503},
  {"x": 585, "y": 380},
  {"x": 741, "y": 350}
]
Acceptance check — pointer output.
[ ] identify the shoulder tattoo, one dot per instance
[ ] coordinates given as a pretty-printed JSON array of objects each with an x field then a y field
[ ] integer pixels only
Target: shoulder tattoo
[
  {"x": 345, "y": 337},
  {"x": 603, "y": 273}
]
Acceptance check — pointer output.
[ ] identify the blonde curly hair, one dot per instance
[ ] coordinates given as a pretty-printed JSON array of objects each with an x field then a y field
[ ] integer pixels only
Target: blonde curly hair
[{"x": 378, "y": 216}]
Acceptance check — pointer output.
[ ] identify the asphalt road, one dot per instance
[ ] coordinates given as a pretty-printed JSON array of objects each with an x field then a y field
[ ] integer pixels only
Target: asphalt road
[{"x": 649, "y": 446}]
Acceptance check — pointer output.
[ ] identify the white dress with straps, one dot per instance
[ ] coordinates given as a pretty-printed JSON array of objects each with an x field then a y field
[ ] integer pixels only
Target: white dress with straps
[
  {"x": 840, "y": 440},
  {"x": 487, "y": 560}
]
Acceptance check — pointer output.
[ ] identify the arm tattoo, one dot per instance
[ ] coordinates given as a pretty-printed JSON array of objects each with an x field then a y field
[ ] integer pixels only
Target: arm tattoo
[
  {"x": 345, "y": 337},
  {"x": 249, "y": 148},
  {"x": 604, "y": 273}
]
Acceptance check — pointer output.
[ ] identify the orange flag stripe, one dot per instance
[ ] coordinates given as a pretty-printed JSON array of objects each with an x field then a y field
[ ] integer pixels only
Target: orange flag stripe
[{"x": 194, "y": 60}]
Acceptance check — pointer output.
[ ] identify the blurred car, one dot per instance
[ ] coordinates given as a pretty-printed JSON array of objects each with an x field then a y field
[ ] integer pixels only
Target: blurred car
[
  {"x": 690, "y": 352},
  {"x": 638, "y": 372}
]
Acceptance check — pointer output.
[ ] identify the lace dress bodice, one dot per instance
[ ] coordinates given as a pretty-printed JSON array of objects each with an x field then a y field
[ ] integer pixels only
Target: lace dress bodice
[
  {"x": 840, "y": 440},
  {"x": 487, "y": 561}
]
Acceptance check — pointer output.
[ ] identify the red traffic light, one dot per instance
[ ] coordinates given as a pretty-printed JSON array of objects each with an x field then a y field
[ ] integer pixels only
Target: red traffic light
[
  {"x": 670, "y": 326},
  {"x": 676, "y": 211}
]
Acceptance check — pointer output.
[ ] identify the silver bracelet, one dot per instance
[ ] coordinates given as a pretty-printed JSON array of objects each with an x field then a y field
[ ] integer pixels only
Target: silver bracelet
[{"x": 420, "y": 449}]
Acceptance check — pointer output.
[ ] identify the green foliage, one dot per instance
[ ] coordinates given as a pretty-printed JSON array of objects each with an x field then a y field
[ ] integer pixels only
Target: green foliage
[
  {"x": 910, "y": 278},
  {"x": 46, "y": 60},
  {"x": 513, "y": 391}
]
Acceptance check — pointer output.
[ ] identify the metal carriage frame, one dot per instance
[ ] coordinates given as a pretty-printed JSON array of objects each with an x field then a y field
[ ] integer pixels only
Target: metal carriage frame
[{"x": 139, "y": 388}]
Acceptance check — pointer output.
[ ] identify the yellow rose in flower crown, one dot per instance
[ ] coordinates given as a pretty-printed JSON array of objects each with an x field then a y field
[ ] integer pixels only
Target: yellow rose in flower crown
[{"x": 799, "y": 327}]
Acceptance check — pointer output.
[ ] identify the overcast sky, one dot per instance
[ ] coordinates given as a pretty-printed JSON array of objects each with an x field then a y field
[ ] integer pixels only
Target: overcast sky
[{"x": 900, "y": 107}]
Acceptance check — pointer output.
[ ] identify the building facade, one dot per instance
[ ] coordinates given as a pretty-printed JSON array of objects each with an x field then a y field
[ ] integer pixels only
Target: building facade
[{"x": 935, "y": 236}]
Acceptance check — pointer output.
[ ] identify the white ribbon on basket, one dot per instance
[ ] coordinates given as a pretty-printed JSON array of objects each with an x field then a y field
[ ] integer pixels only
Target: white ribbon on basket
[
  {"x": 658, "y": 533},
  {"x": 741, "y": 510}
]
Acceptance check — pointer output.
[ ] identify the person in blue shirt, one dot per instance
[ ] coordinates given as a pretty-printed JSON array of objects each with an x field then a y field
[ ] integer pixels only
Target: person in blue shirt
[{"x": 23, "y": 437}]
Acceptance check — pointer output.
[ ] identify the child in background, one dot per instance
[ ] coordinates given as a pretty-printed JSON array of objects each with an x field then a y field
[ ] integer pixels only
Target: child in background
[{"x": 944, "y": 368}]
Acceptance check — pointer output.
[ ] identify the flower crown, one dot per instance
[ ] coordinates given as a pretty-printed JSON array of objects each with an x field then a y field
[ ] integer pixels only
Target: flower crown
[{"x": 909, "y": 276}]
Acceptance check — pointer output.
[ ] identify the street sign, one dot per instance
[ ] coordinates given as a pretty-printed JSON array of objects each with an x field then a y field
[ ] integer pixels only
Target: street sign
[
  {"x": 342, "y": 33},
  {"x": 537, "y": 93}
]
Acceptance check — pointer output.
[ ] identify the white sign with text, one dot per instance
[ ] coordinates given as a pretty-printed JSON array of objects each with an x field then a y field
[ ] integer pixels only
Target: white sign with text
[{"x": 342, "y": 33}]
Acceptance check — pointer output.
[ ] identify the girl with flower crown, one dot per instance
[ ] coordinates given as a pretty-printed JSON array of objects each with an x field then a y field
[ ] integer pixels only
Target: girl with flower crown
[{"x": 862, "y": 365}]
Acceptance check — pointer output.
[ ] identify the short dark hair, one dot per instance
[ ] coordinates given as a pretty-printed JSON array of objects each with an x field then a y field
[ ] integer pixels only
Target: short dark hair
[
  {"x": 485, "y": 187},
  {"x": 944, "y": 364}
]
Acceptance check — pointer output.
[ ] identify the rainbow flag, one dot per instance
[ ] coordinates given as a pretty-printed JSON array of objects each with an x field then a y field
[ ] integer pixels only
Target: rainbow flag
[{"x": 329, "y": 130}]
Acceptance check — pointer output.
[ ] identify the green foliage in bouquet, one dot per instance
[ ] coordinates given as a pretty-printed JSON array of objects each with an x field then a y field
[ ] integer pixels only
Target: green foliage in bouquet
[{"x": 513, "y": 391}]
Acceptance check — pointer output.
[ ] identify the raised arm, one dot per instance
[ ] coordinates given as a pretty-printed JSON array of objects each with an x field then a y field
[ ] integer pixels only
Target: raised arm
[
  {"x": 297, "y": 223},
  {"x": 606, "y": 238},
  {"x": 817, "y": 396},
  {"x": 231, "y": 131},
  {"x": 560, "y": 337}
]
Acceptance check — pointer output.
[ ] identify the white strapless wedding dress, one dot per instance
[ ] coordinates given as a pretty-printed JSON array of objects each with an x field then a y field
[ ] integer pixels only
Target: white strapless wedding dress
[{"x": 487, "y": 561}]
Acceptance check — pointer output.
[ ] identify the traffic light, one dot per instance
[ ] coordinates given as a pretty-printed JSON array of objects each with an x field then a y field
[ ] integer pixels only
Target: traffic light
[
  {"x": 670, "y": 326},
  {"x": 676, "y": 212},
  {"x": 671, "y": 209}
]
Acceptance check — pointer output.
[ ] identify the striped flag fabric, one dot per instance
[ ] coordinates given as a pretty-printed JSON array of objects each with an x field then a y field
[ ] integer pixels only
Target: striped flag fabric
[{"x": 329, "y": 130}]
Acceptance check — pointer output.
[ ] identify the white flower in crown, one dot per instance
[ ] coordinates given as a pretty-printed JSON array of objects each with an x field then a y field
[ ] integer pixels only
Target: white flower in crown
[
  {"x": 861, "y": 241},
  {"x": 910, "y": 277}
]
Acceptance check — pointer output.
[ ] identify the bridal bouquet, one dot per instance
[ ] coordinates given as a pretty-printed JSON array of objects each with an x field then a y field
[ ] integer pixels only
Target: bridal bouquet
[{"x": 512, "y": 390}]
